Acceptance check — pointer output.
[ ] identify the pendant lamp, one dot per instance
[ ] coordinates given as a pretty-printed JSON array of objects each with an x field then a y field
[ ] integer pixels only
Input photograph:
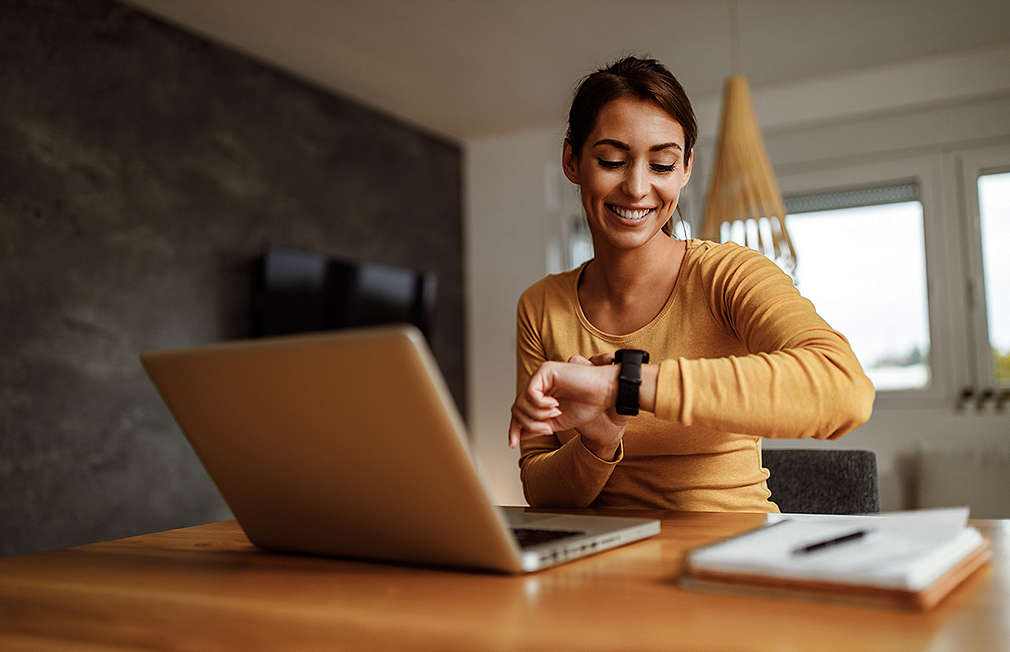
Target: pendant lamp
[{"x": 743, "y": 195}]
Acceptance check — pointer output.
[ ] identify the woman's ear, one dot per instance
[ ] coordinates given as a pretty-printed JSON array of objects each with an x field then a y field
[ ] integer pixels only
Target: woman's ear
[
  {"x": 570, "y": 163},
  {"x": 688, "y": 166}
]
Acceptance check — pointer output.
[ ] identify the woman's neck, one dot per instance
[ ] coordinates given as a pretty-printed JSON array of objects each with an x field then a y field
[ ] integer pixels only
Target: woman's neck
[{"x": 625, "y": 276}]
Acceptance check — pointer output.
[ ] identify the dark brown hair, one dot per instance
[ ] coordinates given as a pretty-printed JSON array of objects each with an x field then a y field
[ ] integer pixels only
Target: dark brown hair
[{"x": 644, "y": 79}]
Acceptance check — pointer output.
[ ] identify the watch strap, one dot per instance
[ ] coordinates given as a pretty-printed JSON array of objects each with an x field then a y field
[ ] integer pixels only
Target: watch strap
[{"x": 629, "y": 379}]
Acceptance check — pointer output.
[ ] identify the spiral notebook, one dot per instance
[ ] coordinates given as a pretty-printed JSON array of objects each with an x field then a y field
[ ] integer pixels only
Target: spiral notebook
[{"x": 906, "y": 559}]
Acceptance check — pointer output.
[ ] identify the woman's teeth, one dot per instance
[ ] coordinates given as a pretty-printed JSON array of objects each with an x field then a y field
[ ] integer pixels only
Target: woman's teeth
[{"x": 630, "y": 214}]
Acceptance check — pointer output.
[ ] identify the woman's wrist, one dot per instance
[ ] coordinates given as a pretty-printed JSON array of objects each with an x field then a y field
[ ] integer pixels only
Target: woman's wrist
[
  {"x": 607, "y": 447},
  {"x": 646, "y": 391}
]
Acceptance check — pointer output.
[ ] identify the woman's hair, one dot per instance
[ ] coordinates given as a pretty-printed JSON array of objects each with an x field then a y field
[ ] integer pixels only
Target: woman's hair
[{"x": 643, "y": 79}]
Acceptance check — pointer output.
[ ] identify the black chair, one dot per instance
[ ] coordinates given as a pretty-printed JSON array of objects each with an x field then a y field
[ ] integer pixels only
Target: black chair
[
  {"x": 301, "y": 292},
  {"x": 805, "y": 481}
]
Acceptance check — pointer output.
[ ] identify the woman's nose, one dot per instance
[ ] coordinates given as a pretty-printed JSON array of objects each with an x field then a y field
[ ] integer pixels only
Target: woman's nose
[{"x": 636, "y": 182}]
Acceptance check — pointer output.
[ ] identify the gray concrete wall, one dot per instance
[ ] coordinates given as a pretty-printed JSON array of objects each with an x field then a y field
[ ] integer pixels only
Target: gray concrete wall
[{"x": 142, "y": 170}]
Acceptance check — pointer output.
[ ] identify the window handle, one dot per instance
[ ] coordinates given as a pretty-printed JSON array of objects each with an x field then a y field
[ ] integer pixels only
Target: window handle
[
  {"x": 1002, "y": 399},
  {"x": 964, "y": 397}
]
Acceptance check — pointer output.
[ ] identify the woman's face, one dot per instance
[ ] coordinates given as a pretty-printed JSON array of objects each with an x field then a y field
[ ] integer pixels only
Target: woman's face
[{"x": 631, "y": 171}]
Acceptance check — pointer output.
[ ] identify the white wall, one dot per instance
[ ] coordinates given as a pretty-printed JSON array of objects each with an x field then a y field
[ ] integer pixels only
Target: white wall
[
  {"x": 925, "y": 108},
  {"x": 506, "y": 231}
]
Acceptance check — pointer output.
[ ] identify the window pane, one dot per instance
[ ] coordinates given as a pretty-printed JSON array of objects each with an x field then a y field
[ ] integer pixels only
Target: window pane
[
  {"x": 864, "y": 270},
  {"x": 994, "y": 214},
  {"x": 580, "y": 242}
]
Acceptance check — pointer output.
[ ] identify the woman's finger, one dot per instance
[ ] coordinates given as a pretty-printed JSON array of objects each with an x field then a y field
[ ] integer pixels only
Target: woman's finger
[
  {"x": 514, "y": 431},
  {"x": 535, "y": 396},
  {"x": 521, "y": 427},
  {"x": 534, "y": 413},
  {"x": 578, "y": 359},
  {"x": 533, "y": 420},
  {"x": 602, "y": 359},
  {"x": 517, "y": 432}
]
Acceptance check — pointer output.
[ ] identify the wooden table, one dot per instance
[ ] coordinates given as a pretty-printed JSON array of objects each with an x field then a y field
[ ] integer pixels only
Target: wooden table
[{"x": 207, "y": 587}]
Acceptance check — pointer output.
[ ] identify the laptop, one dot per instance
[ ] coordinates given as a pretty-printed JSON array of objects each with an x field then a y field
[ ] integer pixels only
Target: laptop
[{"x": 349, "y": 444}]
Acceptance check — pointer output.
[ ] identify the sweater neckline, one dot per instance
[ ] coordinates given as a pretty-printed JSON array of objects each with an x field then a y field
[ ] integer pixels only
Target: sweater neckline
[{"x": 691, "y": 244}]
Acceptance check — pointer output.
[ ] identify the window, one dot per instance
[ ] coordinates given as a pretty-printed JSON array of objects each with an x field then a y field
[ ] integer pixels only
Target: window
[
  {"x": 907, "y": 259},
  {"x": 985, "y": 185},
  {"x": 849, "y": 246},
  {"x": 994, "y": 224},
  {"x": 871, "y": 256},
  {"x": 580, "y": 241}
]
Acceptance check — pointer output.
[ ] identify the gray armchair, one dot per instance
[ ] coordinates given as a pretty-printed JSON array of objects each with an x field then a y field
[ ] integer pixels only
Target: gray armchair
[{"x": 807, "y": 481}]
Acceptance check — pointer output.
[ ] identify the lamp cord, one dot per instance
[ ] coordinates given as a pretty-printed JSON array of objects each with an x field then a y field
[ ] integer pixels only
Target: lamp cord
[{"x": 736, "y": 65}]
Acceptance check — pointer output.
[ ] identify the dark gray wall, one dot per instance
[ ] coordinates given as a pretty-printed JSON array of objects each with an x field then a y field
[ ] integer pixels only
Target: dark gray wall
[{"x": 142, "y": 169}]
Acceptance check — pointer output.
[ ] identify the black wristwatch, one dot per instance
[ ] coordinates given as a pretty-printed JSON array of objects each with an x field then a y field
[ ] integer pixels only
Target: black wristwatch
[{"x": 629, "y": 379}]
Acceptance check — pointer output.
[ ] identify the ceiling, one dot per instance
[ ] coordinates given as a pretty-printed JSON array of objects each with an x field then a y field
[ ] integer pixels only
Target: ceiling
[{"x": 474, "y": 68}]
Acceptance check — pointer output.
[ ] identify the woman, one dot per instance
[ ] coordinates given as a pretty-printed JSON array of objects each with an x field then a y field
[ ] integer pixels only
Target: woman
[{"x": 737, "y": 354}]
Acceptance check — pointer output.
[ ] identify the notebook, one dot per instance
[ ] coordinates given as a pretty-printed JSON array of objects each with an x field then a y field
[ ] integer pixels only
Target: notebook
[
  {"x": 910, "y": 559},
  {"x": 349, "y": 444}
]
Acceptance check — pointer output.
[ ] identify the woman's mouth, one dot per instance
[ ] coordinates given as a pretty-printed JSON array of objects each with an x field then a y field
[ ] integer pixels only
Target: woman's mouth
[{"x": 630, "y": 214}]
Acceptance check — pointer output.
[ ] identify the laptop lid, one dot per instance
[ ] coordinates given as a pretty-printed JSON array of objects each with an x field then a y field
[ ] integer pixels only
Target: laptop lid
[{"x": 342, "y": 444}]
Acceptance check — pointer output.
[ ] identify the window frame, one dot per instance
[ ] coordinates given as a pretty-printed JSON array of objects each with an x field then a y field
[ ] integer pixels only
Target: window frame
[
  {"x": 937, "y": 235},
  {"x": 968, "y": 165}
]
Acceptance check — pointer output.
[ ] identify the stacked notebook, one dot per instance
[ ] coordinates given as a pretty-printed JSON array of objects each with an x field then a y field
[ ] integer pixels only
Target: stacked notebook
[{"x": 910, "y": 559}]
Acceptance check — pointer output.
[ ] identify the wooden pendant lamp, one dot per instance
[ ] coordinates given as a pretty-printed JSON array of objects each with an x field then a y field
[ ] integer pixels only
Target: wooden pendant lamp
[{"x": 744, "y": 195}]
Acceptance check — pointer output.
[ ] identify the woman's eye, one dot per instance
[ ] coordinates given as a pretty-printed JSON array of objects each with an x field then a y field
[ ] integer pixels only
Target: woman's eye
[
  {"x": 656, "y": 167},
  {"x": 610, "y": 165}
]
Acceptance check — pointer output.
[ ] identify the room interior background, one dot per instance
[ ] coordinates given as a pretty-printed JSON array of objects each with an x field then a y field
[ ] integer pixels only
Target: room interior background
[
  {"x": 143, "y": 170},
  {"x": 117, "y": 244}
]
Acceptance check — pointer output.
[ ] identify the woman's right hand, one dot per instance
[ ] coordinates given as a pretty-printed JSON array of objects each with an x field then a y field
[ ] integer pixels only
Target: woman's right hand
[{"x": 562, "y": 395}]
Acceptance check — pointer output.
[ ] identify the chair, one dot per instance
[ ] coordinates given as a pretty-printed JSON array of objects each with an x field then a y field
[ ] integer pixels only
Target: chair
[
  {"x": 805, "y": 481},
  {"x": 300, "y": 292}
]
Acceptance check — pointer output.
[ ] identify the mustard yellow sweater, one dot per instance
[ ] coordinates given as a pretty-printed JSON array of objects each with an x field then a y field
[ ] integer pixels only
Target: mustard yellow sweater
[{"x": 743, "y": 356}]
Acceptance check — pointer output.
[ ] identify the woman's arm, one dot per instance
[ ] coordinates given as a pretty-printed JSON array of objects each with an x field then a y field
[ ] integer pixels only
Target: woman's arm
[
  {"x": 555, "y": 475},
  {"x": 800, "y": 379}
]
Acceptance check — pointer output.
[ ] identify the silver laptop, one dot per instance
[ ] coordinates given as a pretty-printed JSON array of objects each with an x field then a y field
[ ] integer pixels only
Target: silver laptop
[{"x": 349, "y": 444}]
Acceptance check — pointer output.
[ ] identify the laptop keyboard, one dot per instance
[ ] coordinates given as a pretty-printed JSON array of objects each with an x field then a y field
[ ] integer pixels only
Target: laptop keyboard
[{"x": 528, "y": 537}]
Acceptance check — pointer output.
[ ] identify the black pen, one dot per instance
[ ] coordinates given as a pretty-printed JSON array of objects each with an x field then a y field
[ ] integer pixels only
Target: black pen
[{"x": 820, "y": 545}]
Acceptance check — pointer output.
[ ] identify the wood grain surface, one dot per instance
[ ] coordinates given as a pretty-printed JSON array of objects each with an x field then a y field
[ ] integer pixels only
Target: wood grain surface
[{"x": 207, "y": 587}]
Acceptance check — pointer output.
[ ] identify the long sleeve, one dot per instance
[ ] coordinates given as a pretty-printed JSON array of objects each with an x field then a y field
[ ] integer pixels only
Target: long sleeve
[
  {"x": 800, "y": 378},
  {"x": 552, "y": 474}
]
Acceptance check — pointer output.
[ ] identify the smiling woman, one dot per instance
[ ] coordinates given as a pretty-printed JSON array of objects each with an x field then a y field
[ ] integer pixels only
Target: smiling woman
[
  {"x": 644, "y": 82},
  {"x": 637, "y": 185},
  {"x": 737, "y": 353}
]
